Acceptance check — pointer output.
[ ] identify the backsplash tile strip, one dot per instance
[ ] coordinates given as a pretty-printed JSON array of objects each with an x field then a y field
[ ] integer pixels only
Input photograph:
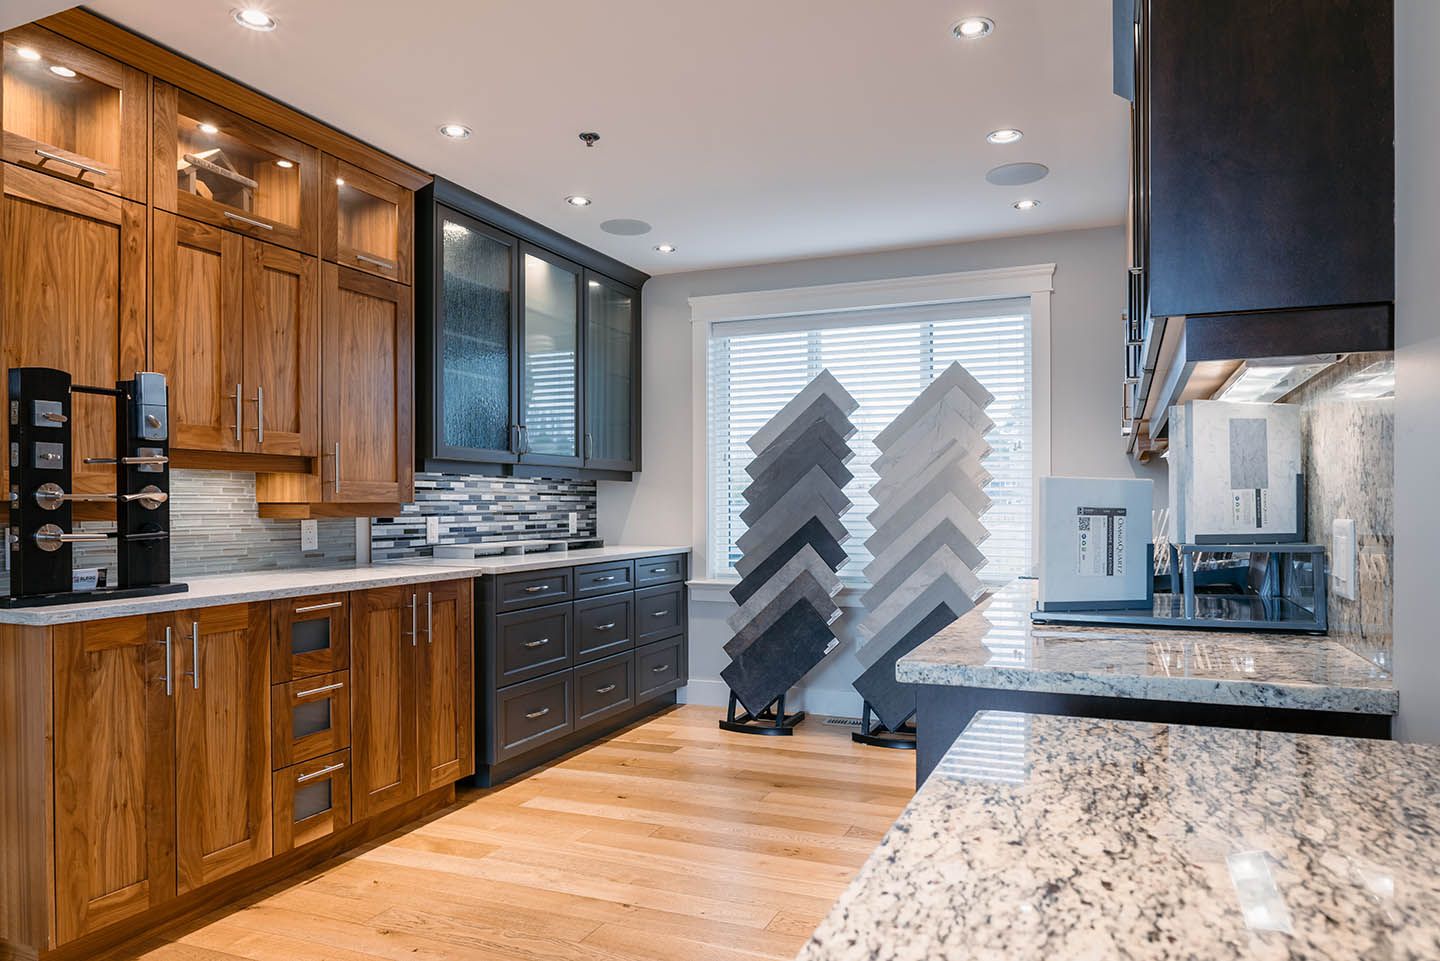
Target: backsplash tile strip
[{"x": 476, "y": 510}]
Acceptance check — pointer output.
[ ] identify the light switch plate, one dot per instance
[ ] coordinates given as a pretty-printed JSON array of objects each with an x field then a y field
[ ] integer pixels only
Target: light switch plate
[
  {"x": 432, "y": 529},
  {"x": 1342, "y": 558},
  {"x": 574, "y": 522},
  {"x": 309, "y": 535}
]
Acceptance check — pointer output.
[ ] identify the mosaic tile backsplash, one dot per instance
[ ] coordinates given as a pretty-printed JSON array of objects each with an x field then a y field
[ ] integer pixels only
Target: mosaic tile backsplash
[
  {"x": 215, "y": 530},
  {"x": 478, "y": 510}
]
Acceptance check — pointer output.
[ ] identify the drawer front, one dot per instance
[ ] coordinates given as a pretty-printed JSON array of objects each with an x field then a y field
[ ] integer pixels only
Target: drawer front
[
  {"x": 311, "y": 636},
  {"x": 608, "y": 578},
  {"x": 309, "y": 718},
  {"x": 531, "y": 643},
  {"x": 604, "y": 626},
  {"x": 312, "y": 800},
  {"x": 604, "y": 688},
  {"x": 659, "y": 613},
  {"x": 531, "y": 714},
  {"x": 532, "y": 588},
  {"x": 666, "y": 569},
  {"x": 660, "y": 668}
]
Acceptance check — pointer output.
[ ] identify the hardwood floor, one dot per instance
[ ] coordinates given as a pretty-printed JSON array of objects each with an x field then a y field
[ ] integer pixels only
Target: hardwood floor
[{"x": 671, "y": 841}]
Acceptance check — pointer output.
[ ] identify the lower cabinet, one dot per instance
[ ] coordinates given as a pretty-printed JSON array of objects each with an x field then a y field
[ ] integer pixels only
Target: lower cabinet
[{"x": 312, "y": 800}]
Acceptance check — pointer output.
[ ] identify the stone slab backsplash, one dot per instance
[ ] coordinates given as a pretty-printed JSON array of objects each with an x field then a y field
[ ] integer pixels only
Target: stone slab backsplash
[{"x": 475, "y": 510}]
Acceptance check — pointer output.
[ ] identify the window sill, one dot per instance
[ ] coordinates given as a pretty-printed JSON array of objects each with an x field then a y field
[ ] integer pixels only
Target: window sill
[{"x": 716, "y": 590}]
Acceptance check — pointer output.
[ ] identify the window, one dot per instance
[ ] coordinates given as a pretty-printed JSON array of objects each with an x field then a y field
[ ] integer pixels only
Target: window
[{"x": 884, "y": 358}]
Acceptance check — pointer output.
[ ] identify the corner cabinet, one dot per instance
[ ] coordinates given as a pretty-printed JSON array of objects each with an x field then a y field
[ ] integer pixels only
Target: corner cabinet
[{"x": 528, "y": 346}]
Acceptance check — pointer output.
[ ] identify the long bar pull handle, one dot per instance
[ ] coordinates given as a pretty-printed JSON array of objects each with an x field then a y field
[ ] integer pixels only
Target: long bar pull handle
[
  {"x": 414, "y": 620},
  {"x": 429, "y": 618},
  {"x": 328, "y": 769},
  {"x": 260, "y": 414},
  {"x": 327, "y": 606},
  {"x": 380, "y": 262},
  {"x": 239, "y": 396},
  {"x": 79, "y": 165},
  {"x": 337, "y": 467},
  {"x": 319, "y": 690},
  {"x": 169, "y": 661},
  {"x": 248, "y": 221},
  {"x": 195, "y": 655}
]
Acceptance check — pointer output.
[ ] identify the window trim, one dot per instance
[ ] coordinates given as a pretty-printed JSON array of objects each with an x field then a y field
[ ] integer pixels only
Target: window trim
[{"x": 1034, "y": 281}]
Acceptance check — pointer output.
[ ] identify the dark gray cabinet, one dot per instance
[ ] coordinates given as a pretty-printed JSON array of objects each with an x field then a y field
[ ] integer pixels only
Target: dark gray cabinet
[
  {"x": 578, "y": 664},
  {"x": 529, "y": 344}
]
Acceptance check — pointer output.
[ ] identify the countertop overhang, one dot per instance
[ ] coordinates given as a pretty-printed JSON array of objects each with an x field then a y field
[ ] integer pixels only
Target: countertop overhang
[
  {"x": 1041, "y": 837},
  {"x": 997, "y": 647},
  {"x": 213, "y": 590}
]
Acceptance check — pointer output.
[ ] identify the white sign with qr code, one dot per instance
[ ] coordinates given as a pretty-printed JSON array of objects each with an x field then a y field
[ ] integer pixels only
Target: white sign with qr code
[{"x": 1100, "y": 541}]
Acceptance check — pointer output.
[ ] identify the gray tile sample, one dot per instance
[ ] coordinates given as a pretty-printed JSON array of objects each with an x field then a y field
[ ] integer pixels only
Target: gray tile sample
[
  {"x": 784, "y": 460},
  {"x": 912, "y": 611},
  {"x": 822, "y": 417},
  {"x": 912, "y": 557},
  {"x": 947, "y": 508},
  {"x": 804, "y": 589},
  {"x": 770, "y": 666},
  {"x": 823, "y": 385},
  {"x": 893, "y": 701},
  {"x": 929, "y": 485},
  {"x": 813, "y": 534},
  {"x": 933, "y": 396},
  {"x": 805, "y": 560},
  {"x": 814, "y": 495},
  {"x": 765, "y": 490}
]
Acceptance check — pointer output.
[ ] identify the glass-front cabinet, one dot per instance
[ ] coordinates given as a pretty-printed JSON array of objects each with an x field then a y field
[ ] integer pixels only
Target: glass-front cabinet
[
  {"x": 611, "y": 377},
  {"x": 529, "y": 359}
]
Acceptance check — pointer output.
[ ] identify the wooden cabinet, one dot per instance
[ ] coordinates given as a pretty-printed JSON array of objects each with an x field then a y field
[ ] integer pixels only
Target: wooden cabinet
[
  {"x": 72, "y": 261},
  {"x": 412, "y": 706},
  {"x": 311, "y": 636},
  {"x": 235, "y": 328},
  {"x": 213, "y": 165},
  {"x": 73, "y": 113},
  {"x": 222, "y": 740},
  {"x": 366, "y": 222},
  {"x": 312, "y": 801}
]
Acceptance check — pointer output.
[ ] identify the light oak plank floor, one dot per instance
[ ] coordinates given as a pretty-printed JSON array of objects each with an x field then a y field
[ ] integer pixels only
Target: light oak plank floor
[{"x": 671, "y": 841}]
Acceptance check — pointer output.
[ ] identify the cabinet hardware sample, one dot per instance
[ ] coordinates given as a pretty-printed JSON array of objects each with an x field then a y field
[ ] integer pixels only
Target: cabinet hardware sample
[{"x": 329, "y": 769}]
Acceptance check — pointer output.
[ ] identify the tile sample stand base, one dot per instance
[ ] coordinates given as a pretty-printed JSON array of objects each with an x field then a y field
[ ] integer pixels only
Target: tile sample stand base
[
  {"x": 875, "y": 734},
  {"x": 772, "y": 721}
]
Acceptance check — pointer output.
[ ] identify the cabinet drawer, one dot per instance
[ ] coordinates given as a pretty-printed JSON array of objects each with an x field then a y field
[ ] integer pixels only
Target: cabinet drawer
[
  {"x": 309, "y": 717},
  {"x": 604, "y": 626},
  {"x": 366, "y": 222},
  {"x": 660, "y": 668},
  {"x": 311, "y": 636},
  {"x": 604, "y": 688},
  {"x": 659, "y": 570},
  {"x": 531, "y": 714},
  {"x": 531, "y": 643},
  {"x": 608, "y": 578},
  {"x": 532, "y": 588},
  {"x": 659, "y": 612},
  {"x": 312, "y": 800}
]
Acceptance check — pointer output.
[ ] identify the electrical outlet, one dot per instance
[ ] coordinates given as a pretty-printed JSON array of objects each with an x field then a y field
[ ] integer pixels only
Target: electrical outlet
[
  {"x": 1342, "y": 558},
  {"x": 574, "y": 522},
  {"x": 432, "y": 530},
  {"x": 309, "y": 535}
]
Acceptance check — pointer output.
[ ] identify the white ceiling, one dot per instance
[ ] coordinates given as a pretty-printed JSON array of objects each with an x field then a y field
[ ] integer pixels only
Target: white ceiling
[{"x": 744, "y": 131}]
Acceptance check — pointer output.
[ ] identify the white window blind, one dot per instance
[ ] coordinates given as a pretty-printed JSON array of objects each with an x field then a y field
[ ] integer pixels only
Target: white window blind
[{"x": 884, "y": 358}]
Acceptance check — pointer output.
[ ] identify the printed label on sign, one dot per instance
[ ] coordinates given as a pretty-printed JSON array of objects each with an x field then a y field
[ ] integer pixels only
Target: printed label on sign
[
  {"x": 1251, "y": 508},
  {"x": 1100, "y": 541}
]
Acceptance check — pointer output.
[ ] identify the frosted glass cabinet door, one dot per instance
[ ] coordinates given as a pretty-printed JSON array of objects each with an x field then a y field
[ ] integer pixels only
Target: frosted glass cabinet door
[
  {"x": 475, "y": 342},
  {"x": 610, "y": 326},
  {"x": 550, "y": 374}
]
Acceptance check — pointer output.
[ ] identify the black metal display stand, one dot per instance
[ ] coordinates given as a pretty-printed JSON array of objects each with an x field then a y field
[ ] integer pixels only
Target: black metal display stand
[
  {"x": 772, "y": 721},
  {"x": 876, "y": 734}
]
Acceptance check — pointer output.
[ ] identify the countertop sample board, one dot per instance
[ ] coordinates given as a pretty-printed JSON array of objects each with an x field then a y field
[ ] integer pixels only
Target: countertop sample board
[{"x": 1040, "y": 837}]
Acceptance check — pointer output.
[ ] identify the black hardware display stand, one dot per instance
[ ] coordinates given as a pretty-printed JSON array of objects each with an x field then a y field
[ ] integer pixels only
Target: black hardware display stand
[
  {"x": 772, "y": 721},
  {"x": 875, "y": 734}
]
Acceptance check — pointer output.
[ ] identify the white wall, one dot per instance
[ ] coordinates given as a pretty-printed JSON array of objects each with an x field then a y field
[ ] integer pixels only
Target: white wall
[
  {"x": 1417, "y": 389},
  {"x": 1086, "y": 368}
]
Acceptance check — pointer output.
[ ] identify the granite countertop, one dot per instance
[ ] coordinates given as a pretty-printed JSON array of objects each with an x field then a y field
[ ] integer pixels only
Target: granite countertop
[
  {"x": 212, "y": 590},
  {"x": 997, "y": 647},
  {"x": 1040, "y": 838}
]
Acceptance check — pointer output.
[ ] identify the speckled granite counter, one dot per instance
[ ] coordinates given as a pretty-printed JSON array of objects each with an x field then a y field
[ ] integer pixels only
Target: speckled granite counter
[
  {"x": 1064, "y": 838},
  {"x": 215, "y": 589},
  {"x": 996, "y": 647}
]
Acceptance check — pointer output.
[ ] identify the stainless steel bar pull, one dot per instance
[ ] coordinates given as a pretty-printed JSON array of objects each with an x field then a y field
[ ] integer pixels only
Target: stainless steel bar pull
[
  {"x": 538, "y": 642},
  {"x": 337, "y": 467},
  {"x": 259, "y": 400},
  {"x": 429, "y": 618},
  {"x": 414, "y": 621},
  {"x": 327, "y": 606},
  {"x": 249, "y": 222},
  {"x": 380, "y": 262},
  {"x": 69, "y": 162},
  {"x": 239, "y": 397},
  {"x": 319, "y": 690},
  {"x": 534, "y": 714},
  {"x": 605, "y": 690},
  {"x": 195, "y": 654},
  {"x": 328, "y": 769},
  {"x": 169, "y": 661}
]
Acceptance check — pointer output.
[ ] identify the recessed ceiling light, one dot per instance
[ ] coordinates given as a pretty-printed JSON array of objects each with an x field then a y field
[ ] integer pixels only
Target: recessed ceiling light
[
  {"x": 578, "y": 200},
  {"x": 60, "y": 71},
  {"x": 209, "y": 128},
  {"x": 1004, "y": 135},
  {"x": 1025, "y": 204},
  {"x": 253, "y": 18},
  {"x": 284, "y": 164},
  {"x": 455, "y": 131},
  {"x": 665, "y": 248},
  {"x": 973, "y": 28},
  {"x": 27, "y": 53}
]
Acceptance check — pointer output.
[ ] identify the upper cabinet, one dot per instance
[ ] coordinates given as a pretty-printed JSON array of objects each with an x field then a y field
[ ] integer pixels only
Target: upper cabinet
[
  {"x": 528, "y": 345},
  {"x": 368, "y": 222},
  {"x": 73, "y": 113},
  {"x": 216, "y": 166}
]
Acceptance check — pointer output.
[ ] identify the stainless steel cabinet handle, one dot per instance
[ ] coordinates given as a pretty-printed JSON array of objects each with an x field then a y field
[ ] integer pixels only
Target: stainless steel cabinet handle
[
  {"x": 247, "y": 221},
  {"x": 327, "y": 606},
  {"x": 605, "y": 627},
  {"x": 605, "y": 690},
  {"x": 659, "y": 613},
  {"x": 337, "y": 467},
  {"x": 414, "y": 621},
  {"x": 169, "y": 660},
  {"x": 88, "y": 168},
  {"x": 239, "y": 396},
  {"x": 659, "y": 570},
  {"x": 541, "y": 642},
  {"x": 319, "y": 690},
  {"x": 328, "y": 769},
  {"x": 534, "y": 714},
  {"x": 259, "y": 400},
  {"x": 429, "y": 618},
  {"x": 660, "y": 670},
  {"x": 195, "y": 654},
  {"x": 537, "y": 589},
  {"x": 605, "y": 580},
  {"x": 380, "y": 262}
]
